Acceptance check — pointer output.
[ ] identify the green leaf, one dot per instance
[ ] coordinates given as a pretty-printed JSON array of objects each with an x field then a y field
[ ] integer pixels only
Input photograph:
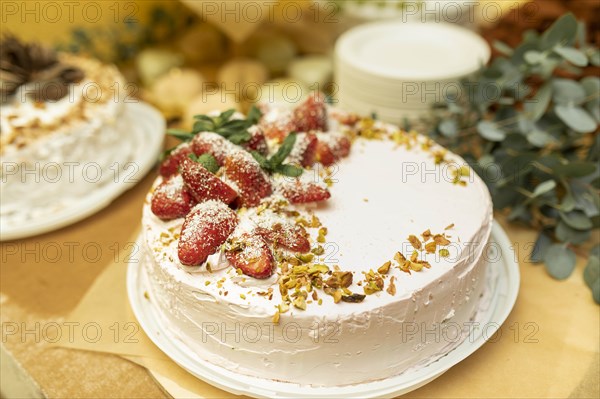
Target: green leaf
[
  {"x": 596, "y": 291},
  {"x": 594, "y": 56},
  {"x": 284, "y": 150},
  {"x": 226, "y": 115},
  {"x": 502, "y": 47},
  {"x": 591, "y": 273},
  {"x": 544, "y": 187},
  {"x": 239, "y": 137},
  {"x": 539, "y": 138},
  {"x": 290, "y": 170},
  {"x": 566, "y": 234},
  {"x": 253, "y": 115},
  {"x": 262, "y": 161},
  {"x": 573, "y": 55},
  {"x": 567, "y": 92},
  {"x": 538, "y": 105},
  {"x": 533, "y": 57},
  {"x": 542, "y": 244},
  {"x": 208, "y": 161},
  {"x": 448, "y": 128},
  {"x": 577, "y": 220},
  {"x": 562, "y": 32},
  {"x": 591, "y": 85},
  {"x": 559, "y": 261},
  {"x": 575, "y": 169},
  {"x": 180, "y": 134},
  {"x": 576, "y": 118},
  {"x": 490, "y": 131}
]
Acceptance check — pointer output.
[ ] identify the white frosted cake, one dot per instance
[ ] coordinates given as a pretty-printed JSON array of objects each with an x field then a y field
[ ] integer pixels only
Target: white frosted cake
[
  {"x": 353, "y": 272},
  {"x": 56, "y": 117}
]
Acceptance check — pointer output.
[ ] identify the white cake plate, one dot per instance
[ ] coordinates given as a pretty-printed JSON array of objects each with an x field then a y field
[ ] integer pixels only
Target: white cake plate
[
  {"x": 502, "y": 286},
  {"x": 140, "y": 123}
]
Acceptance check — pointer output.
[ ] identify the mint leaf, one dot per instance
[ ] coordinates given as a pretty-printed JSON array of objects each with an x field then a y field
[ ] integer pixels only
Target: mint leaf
[
  {"x": 180, "y": 134},
  {"x": 208, "y": 161},
  {"x": 290, "y": 170}
]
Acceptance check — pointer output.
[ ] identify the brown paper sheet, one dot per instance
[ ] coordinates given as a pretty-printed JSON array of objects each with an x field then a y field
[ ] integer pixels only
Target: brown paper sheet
[{"x": 548, "y": 347}]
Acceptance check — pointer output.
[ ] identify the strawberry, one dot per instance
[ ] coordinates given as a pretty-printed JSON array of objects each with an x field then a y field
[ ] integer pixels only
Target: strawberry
[
  {"x": 277, "y": 123},
  {"x": 203, "y": 185},
  {"x": 170, "y": 165},
  {"x": 332, "y": 147},
  {"x": 257, "y": 141},
  {"x": 311, "y": 114},
  {"x": 214, "y": 144},
  {"x": 252, "y": 182},
  {"x": 287, "y": 235},
  {"x": 301, "y": 192},
  {"x": 204, "y": 230},
  {"x": 305, "y": 149},
  {"x": 171, "y": 200},
  {"x": 251, "y": 254}
]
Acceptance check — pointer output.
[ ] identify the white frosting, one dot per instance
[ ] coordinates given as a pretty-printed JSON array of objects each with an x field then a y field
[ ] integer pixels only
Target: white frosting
[
  {"x": 54, "y": 153},
  {"x": 372, "y": 211}
]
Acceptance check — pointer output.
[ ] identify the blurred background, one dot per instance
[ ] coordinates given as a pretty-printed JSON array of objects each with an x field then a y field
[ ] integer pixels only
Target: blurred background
[{"x": 190, "y": 56}]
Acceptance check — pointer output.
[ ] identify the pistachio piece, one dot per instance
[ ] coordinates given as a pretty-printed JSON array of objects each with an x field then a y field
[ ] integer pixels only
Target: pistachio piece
[{"x": 353, "y": 298}]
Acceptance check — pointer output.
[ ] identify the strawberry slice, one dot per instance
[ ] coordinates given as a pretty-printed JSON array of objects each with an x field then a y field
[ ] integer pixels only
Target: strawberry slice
[
  {"x": 171, "y": 200},
  {"x": 203, "y": 185},
  {"x": 277, "y": 123},
  {"x": 214, "y": 144},
  {"x": 311, "y": 114},
  {"x": 251, "y": 254},
  {"x": 305, "y": 150},
  {"x": 332, "y": 147},
  {"x": 252, "y": 182},
  {"x": 257, "y": 141},
  {"x": 287, "y": 235},
  {"x": 170, "y": 165},
  {"x": 301, "y": 192},
  {"x": 204, "y": 230}
]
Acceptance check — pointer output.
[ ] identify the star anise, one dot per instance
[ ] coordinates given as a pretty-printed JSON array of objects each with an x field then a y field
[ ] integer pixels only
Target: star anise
[{"x": 35, "y": 67}]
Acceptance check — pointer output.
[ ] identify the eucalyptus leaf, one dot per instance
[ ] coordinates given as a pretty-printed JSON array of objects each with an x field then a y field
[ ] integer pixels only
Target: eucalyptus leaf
[
  {"x": 562, "y": 32},
  {"x": 449, "y": 128},
  {"x": 575, "y": 169},
  {"x": 576, "y": 219},
  {"x": 559, "y": 261},
  {"x": 490, "y": 131},
  {"x": 591, "y": 85},
  {"x": 576, "y": 118},
  {"x": 591, "y": 273},
  {"x": 596, "y": 291},
  {"x": 564, "y": 233},
  {"x": 539, "y": 103},
  {"x": 540, "y": 247},
  {"x": 502, "y": 47},
  {"x": 539, "y": 138},
  {"x": 533, "y": 57},
  {"x": 567, "y": 92},
  {"x": 544, "y": 187},
  {"x": 573, "y": 55},
  {"x": 594, "y": 57}
]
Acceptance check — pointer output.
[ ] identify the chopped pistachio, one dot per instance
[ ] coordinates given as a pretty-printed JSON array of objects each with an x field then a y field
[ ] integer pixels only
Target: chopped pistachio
[
  {"x": 353, "y": 298},
  {"x": 430, "y": 247},
  {"x": 391, "y": 289},
  {"x": 385, "y": 268},
  {"x": 300, "y": 302},
  {"x": 276, "y": 317},
  {"x": 444, "y": 252},
  {"x": 414, "y": 241}
]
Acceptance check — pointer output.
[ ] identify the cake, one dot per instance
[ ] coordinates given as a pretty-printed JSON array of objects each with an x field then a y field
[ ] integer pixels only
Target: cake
[
  {"x": 367, "y": 264},
  {"x": 57, "y": 141}
]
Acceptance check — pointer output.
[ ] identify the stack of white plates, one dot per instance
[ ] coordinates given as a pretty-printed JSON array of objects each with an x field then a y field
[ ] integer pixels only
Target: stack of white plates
[{"x": 399, "y": 70}]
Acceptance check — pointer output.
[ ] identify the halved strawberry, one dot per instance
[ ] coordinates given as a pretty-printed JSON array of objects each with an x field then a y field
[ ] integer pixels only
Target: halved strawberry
[
  {"x": 203, "y": 185},
  {"x": 287, "y": 235},
  {"x": 171, "y": 200},
  {"x": 204, "y": 230},
  {"x": 170, "y": 165},
  {"x": 311, "y": 114},
  {"x": 305, "y": 150},
  {"x": 257, "y": 141},
  {"x": 332, "y": 147},
  {"x": 251, "y": 254},
  {"x": 301, "y": 192},
  {"x": 277, "y": 123},
  {"x": 252, "y": 182},
  {"x": 214, "y": 144}
]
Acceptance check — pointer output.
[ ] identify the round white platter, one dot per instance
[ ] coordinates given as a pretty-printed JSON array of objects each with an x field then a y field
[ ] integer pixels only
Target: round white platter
[
  {"x": 140, "y": 123},
  {"x": 502, "y": 286}
]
